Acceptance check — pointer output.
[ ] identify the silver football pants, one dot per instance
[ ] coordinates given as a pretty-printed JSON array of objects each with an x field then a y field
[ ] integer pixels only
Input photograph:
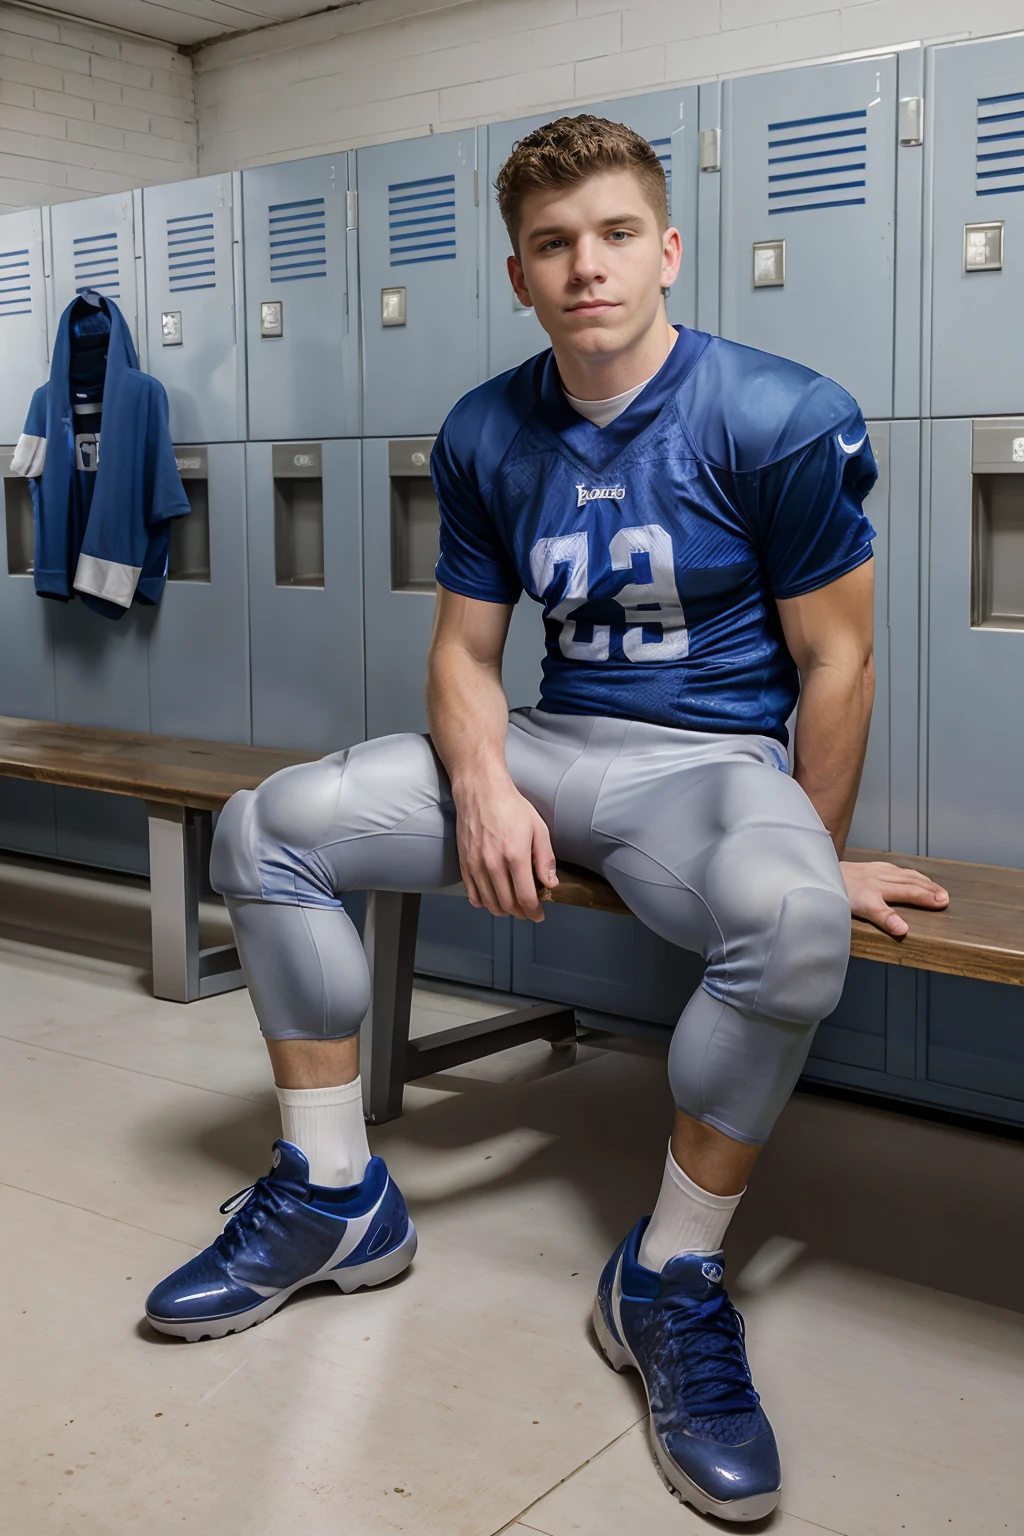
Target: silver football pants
[{"x": 706, "y": 838}]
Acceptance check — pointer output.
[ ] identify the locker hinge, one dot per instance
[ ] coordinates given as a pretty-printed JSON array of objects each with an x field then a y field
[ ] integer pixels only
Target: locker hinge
[
  {"x": 911, "y": 120},
  {"x": 351, "y": 210},
  {"x": 476, "y": 187},
  {"x": 711, "y": 149}
]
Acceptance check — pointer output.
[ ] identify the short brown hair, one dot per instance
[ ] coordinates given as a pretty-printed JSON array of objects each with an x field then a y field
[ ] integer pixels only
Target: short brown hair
[{"x": 566, "y": 152}]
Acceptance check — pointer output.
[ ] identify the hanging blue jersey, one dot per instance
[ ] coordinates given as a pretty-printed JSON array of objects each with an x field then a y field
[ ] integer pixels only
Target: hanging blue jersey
[{"x": 658, "y": 544}]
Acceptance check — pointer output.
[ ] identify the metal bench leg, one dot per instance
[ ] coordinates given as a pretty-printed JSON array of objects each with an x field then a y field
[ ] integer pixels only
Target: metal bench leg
[
  {"x": 182, "y": 972},
  {"x": 389, "y": 939}
]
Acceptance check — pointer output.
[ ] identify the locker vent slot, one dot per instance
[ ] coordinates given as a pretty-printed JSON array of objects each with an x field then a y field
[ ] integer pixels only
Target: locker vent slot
[
  {"x": 297, "y": 235},
  {"x": 20, "y": 526},
  {"x": 421, "y": 221},
  {"x": 96, "y": 266},
  {"x": 663, "y": 149},
  {"x": 15, "y": 283},
  {"x": 1000, "y": 153},
  {"x": 818, "y": 162},
  {"x": 190, "y": 255}
]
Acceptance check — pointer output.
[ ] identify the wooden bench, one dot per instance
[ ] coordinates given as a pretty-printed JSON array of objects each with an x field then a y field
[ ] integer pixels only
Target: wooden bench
[
  {"x": 182, "y": 783},
  {"x": 980, "y": 935}
]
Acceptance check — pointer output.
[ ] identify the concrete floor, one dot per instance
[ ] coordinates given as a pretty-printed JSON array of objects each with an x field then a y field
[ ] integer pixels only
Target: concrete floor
[{"x": 877, "y": 1259}]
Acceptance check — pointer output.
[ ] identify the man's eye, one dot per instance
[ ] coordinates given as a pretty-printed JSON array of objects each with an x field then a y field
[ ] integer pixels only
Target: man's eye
[
  {"x": 620, "y": 235},
  {"x": 552, "y": 245}
]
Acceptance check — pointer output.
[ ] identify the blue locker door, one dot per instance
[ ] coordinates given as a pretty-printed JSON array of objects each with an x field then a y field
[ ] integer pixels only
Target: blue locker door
[
  {"x": 93, "y": 246},
  {"x": 301, "y": 300},
  {"x": 977, "y": 180},
  {"x": 199, "y": 645},
  {"x": 22, "y": 318},
  {"x": 419, "y": 240},
  {"x": 668, "y": 120},
  {"x": 194, "y": 327},
  {"x": 976, "y": 658},
  {"x": 305, "y": 599},
  {"x": 808, "y": 220}
]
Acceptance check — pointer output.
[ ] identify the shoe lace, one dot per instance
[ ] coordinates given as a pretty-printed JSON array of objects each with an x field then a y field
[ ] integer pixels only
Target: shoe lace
[
  {"x": 713, "y": 1376},
  {"x": 247, "y": 1210}
]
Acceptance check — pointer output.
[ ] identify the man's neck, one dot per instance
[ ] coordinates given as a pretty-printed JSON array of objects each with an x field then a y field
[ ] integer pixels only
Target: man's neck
[{"x": 600, "y": 378}]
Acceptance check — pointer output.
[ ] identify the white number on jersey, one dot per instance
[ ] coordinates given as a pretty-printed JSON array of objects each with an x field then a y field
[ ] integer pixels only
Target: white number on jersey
[{"x": 643, "y": 602}]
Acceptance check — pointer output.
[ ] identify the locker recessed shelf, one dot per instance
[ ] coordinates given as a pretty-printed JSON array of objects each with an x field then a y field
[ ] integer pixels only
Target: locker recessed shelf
[
  {"x": 415, "y": 517},
  {"x": 997, "y": 550},
  {"x": 298, "y": 515},
  {"x": 20, "y": 530},
  {"x": 188, "y": 558}
]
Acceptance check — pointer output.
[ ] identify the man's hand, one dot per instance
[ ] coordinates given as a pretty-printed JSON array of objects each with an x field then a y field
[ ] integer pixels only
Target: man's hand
[
  {"x": 871, "y": 887},
  {"x": 503, "y": 844}
]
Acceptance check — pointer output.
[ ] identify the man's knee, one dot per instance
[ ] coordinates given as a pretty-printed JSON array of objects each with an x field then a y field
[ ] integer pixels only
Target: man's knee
[
  {"x": 806, "y": 967},
  {"x": 265, "y": 842}
]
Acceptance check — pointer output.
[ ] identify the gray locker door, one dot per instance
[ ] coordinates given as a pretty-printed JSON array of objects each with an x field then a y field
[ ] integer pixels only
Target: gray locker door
[
  {"x": 809, "y": 159},
  {"x": 419, "y": 241},
  {"x": 400, "y": 548},
  {"x": 199, "y": 645},
  {"x": 27, "y": 685},
  {"x": 870, "y": 828},
  {"x": 305, "y": 599},
  {"x": 668, "y": 121},
  {"x": 102, "y": 677},
  {"x": 976, "y": 669},
  {"x": 93, "y": 246},
  {"x": 301, "y": 300},
  {"x": 977, "y": 179},
  {"x": 194, "y": 322},
  {"x": 22, "y": 318}
]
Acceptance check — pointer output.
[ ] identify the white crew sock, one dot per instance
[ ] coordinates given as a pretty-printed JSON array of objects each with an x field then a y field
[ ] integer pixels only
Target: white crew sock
[
  {"x": 327, "y": 1125},
  {"x": 687, "y": 1219}
]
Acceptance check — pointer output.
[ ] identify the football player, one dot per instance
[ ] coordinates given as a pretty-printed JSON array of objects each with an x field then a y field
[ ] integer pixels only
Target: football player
[{"x": 689, "y": 514}]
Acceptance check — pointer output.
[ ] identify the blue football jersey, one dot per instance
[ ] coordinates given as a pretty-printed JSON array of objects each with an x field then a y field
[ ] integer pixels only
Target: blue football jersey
[{"x": 658, "y": 544}]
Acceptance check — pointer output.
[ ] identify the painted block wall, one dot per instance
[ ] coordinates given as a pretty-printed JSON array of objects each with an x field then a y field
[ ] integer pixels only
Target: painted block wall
[
  {"x": 392, "y": 69},
  {"x": 84, "y": 111}
]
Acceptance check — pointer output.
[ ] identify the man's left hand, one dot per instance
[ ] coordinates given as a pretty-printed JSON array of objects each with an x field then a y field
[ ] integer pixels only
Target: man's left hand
[{"x": 871, "y": 887}]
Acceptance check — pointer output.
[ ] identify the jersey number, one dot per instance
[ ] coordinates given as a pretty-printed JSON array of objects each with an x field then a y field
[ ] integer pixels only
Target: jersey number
[{"x": 644, "y": 603}]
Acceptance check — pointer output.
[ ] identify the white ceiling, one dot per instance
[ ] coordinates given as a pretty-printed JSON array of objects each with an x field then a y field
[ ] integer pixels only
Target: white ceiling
[{"x": 187, "y": 21}]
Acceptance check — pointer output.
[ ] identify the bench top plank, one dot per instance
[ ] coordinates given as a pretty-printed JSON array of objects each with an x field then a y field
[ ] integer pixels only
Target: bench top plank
[
  {"x": 166, "y": 769},
  {"x": 980, "y": 934}
]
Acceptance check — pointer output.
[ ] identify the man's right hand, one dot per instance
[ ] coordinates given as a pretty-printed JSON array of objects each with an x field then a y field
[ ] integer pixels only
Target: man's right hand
[{"x": 504, "y": 848}]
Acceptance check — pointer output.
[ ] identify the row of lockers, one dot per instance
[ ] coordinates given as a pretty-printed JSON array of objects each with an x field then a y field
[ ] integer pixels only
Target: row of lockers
[
  {"x": 826, "y": 214},
  {"x": 300, "y": 602}
]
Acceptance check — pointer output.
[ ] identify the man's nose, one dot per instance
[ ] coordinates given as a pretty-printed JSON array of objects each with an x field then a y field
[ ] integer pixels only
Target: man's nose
[{"x": 588, "y": 264}]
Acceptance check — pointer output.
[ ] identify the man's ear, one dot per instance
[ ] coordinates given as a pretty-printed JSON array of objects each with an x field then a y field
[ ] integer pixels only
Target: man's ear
[{"x": 518, "y": 280}]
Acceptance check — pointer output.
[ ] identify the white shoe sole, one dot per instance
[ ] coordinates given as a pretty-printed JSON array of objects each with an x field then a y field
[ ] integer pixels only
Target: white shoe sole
[
  {"x": 355, "y": 1277},
  {"x": 620, "y": 1359}
]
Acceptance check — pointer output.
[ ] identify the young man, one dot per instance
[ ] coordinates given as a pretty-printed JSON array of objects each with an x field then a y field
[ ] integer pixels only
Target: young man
[{"x": 689, "y": 513}]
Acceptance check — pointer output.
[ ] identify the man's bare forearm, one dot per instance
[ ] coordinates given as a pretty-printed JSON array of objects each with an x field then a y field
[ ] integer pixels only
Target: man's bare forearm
[
  {"x": 467, "y": 713},
  {"x": 831, "y": 739}
]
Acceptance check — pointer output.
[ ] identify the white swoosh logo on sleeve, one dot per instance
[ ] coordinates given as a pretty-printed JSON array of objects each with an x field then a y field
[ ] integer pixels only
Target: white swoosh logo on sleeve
[{"x": 851, "y": 447}]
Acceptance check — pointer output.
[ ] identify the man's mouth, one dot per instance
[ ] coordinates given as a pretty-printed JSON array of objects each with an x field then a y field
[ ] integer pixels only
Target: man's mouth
[{"x": 592, "y": 306}]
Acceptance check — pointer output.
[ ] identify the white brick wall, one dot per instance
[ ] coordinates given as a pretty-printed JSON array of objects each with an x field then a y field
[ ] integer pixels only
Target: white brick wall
[
  {"x": 390, "y": 69},
  {"x": 83, "y": 110}
]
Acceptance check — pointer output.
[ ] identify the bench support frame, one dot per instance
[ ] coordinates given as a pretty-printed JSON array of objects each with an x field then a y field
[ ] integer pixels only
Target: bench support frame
[
  {"x": 179, "y": 851},
  {"x": 388, "y": 1058}
]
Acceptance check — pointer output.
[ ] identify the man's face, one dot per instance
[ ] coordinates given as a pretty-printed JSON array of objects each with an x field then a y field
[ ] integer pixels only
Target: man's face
[{"x": 592, "y": 263}]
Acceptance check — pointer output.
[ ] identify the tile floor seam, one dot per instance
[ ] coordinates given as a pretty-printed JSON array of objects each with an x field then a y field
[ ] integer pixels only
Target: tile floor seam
[
  {"x": 519, "y": 1518},
  {"x": 70, "y": 1205},
  {"x": 157, "y": 1077}
]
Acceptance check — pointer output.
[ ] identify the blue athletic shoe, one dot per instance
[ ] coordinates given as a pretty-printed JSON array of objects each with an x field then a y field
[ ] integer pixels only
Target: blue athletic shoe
[
  {"x": 679, "y": 1329},
  {"x": 285, "y": 1233}
]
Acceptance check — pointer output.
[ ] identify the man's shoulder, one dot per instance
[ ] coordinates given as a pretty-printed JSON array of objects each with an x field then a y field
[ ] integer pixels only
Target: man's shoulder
[
  {"x": 481, "y": 427},
  {"x": 746, "y": 409}
]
